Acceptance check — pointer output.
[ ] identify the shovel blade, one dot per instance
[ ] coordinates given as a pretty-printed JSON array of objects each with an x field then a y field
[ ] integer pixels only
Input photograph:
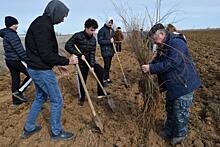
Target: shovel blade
[
  {"x": 111, "y": 104},
  {"x": 98, "y": 123}
]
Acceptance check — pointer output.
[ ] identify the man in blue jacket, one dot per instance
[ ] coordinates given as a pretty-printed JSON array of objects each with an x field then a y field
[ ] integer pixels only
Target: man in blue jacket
[
  {"x": 105, "y": 40},
  {"x": 178, "y": 77},
  {"x": 14, "y": 56}
]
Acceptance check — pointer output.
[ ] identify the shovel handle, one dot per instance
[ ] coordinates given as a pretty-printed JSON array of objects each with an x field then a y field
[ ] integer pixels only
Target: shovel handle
[
  {"x": 100, "y": 84},
  {"x": 125, "y": 80},
  {"x": 86, "y": 91}
]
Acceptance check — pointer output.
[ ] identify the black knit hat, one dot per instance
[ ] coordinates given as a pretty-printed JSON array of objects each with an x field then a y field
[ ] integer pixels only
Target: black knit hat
[
  {"x": 156, "y": 27},
  {"x": 9, "y": 21}
]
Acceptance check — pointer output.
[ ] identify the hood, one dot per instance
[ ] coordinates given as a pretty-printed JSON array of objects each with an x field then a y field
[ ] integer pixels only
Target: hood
[
  {"x": 3, "y": 32},
  {"x": 56, "y": 10},
  {"x": 108, "y": 20}
]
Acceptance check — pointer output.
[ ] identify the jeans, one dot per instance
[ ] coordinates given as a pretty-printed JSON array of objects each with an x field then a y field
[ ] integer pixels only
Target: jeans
[
  {"x": 46, "y": 85},
  {"x": 107, "y": 66},
  {"x": 99, "y": 72},
  {"x": 176, "y": 124}
]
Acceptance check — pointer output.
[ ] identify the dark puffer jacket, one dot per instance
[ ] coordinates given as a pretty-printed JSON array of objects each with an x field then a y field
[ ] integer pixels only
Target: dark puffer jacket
[
  {"x": 104, "y": 36},
  {"x": 40, "y": 41},
  {"x": 86, "y": 44},
  {"x": 174, "y": 67},
  {"x": 13, "y": 47}
]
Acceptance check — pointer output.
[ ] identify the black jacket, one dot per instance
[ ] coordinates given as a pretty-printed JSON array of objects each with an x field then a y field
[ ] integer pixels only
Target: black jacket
[
  {"x": 41, "y": 45},
  {"x": 86, "y": 44},
  {"x": 104, "y": 36},
  {"x": 13, "y": 47}
]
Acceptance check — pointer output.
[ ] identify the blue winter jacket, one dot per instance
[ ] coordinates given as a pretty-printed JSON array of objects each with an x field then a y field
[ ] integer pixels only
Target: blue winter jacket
[
  {"x": 104, "y": 36},
  {"x": 13, "y": 47},
  {"x": 175, "y": 69}
]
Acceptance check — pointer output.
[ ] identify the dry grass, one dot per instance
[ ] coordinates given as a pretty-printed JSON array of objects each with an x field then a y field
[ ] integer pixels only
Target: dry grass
[{"x": 147, "y": 85}]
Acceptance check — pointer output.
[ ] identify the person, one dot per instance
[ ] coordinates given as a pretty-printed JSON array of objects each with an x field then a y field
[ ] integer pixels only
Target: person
[
  {"x": 179, "y": 79},
  {"x": 151, "y": 45},
  {"x": 42, "y": 51},
  {"x": 86, "y": 43},
  {"x": 171, "y": 28},
  {"x": 15, "y": 54},
  {"x": 118, "y": 38},
  {"x": 106, "y": 40}
]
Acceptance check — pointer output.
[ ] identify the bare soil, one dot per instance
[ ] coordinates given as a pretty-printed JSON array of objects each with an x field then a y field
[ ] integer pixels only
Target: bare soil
[{"x": 121, "y": 129}]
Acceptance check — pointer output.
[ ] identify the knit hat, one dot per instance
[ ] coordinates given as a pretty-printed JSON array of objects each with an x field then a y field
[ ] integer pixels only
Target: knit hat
[
  {"x": 155, "y": 28},
  {"x": 9, "y": 21},
  {"x": 108, "y": 20}
]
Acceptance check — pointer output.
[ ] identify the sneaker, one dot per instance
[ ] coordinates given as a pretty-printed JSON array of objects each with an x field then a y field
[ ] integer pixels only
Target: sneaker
[
  {"x": 26, "y": 134},
  {"x": 19, "y": 95},
  {"x": 109, "y": 81},
  {"x": 177, "y": 140},
  {"x": 105, "y": 83},
  {"x": 103, "y": 95},
  {"x": 81, "y": 103},
  {"x": 16, "y": 101},
  {"x": 62, "y": 136},
  {"x": 163, "y": 134}
]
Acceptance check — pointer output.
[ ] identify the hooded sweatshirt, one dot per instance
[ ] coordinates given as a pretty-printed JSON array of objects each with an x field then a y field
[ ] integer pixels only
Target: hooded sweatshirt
[
  {"x": 56, "y": 10},
  {"x": 40, "y": 41}
]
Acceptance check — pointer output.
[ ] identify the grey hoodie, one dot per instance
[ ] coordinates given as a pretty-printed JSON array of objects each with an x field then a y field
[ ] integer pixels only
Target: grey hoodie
[{"x": 56, "y": 10}]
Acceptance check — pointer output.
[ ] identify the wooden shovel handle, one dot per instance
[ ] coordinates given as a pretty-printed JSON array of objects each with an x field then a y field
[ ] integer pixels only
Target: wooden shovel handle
[
  {"x": 86, "y": 91},
  {"x": 119, "y": 62},
  {"x": 100, "y": 84}
]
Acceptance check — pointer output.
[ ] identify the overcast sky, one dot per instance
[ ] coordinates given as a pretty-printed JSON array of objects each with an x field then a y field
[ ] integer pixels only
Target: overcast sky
[{"x": 191, "y": 14}]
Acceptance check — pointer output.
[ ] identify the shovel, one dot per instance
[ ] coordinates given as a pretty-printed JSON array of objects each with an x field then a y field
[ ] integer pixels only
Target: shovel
[
  {"x": 125, "y": 79},
  {"x": 110, "y": 100},
  {"x": 96, "y": 119}
]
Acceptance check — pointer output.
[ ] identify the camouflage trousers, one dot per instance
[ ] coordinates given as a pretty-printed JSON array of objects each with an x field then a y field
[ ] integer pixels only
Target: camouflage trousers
[{"x": 177, "y": 110}]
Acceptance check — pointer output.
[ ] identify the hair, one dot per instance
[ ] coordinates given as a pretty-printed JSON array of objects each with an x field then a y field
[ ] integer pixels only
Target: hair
[
  {"x": 155, "y": 28},
  {"x": 160, "y": 31},
  {"x": 91, "y": 23},
  {"x": 171, "y": 28},
  {"x": 118, "y": 27}
]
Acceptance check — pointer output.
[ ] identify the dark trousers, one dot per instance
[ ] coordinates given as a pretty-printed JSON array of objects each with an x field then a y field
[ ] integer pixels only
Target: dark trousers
[
  {"x": 99, "y": 72},
  {"x": 118, "y": 46},
  {"x": 107, "y": 66},
  {"x": 15, "y": 68}
]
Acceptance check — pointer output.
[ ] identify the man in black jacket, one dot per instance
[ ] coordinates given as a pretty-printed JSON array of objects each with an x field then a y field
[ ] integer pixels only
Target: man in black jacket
[
  {"x": 42, "y": 51},
  {"x": 86, "y": 42},
  {"x": 14, "y": 56}
]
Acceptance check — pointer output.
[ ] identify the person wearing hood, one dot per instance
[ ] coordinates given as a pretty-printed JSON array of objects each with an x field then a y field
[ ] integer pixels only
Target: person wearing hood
[
  {"x": 42, "y": 52},
  {"x": 106, "y": 40},
  {"x": 15, "y": 54}
]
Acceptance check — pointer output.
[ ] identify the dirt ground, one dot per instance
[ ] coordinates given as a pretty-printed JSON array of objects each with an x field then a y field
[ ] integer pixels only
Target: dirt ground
[{"x": 121, "y": 129}]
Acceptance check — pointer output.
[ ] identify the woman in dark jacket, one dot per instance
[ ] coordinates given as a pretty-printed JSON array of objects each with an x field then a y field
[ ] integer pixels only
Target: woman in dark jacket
[{"x": 14, "y": 56}]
